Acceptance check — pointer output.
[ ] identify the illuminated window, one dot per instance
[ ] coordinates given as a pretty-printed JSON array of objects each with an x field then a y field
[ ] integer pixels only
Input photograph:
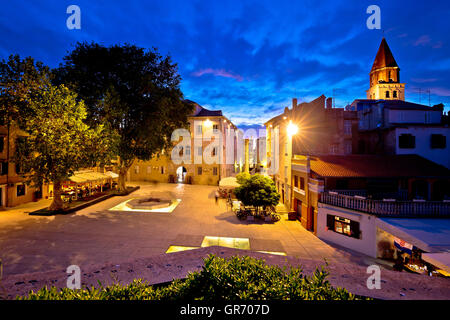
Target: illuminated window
[
  {"x": 343, "y": 226},
  {"x": 199, "y": 171},
  {"x": 136, "y": 169}
]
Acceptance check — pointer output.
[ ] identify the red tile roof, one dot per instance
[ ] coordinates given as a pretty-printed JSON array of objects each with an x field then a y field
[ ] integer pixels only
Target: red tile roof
[{"x": 376, "y": 166}]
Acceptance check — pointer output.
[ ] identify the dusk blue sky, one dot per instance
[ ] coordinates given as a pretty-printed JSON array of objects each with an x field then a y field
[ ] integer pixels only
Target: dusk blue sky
[{"x": 250, "y": 58}]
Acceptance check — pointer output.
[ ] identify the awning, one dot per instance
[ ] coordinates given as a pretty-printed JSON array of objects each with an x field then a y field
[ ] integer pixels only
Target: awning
[
  {"x": 112, "y": 174},
  {"x": 440, "y": 260},
  {"x": 91, "y": 176},
  {"x": 228, "y": 183},
  {"x": 429, "y": 235}
]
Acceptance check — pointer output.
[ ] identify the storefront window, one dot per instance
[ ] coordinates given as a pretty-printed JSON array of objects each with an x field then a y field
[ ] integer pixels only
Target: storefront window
[{"x": 343, "y": 226}]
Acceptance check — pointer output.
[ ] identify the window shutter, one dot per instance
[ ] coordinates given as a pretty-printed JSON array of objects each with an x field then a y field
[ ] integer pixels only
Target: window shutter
[
  {"x": 354, "y": 228},
  {"x": 330, "y": 222},
  {"x": 4, "y": 168}
]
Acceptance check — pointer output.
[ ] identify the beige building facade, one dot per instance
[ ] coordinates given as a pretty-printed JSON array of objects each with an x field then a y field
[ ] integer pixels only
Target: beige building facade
[
  {"x": 13, "y": 189},
  {"x": 210, "y": 149}
]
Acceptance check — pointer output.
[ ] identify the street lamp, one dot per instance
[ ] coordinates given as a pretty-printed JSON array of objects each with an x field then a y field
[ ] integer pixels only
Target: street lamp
[{"x": 292, "y": 129}]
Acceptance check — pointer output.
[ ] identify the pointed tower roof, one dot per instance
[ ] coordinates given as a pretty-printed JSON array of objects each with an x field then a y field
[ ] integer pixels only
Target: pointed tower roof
[{"x": 384, "y": 57}]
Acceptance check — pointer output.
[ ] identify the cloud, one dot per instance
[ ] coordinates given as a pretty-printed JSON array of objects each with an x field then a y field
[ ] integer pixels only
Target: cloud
[
  {"x": 217, "y": 72},
  {"x": 422, "y": 40}
]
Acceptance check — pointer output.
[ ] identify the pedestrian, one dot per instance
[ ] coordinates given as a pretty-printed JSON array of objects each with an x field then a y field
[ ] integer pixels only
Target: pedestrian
[{"x": 216, "y": 195}]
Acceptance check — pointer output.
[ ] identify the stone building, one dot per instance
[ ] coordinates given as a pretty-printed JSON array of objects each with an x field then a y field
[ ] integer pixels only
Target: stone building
[
  {"x": 211, "y": 150},
  {"x": 318, "y": 129},
  {"x": 13, "y": 189}
]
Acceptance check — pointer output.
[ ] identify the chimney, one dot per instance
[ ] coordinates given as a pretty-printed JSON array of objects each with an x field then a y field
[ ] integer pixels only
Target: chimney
[
  {"x": 329, "y": 103},
  {"x": 294, "y": 103}
]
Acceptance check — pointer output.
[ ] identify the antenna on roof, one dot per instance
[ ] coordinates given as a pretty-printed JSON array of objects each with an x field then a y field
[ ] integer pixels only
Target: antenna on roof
[{"x": 335, "y": 90}]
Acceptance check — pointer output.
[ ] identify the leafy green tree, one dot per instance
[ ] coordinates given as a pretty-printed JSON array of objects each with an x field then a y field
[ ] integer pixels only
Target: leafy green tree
[
  {"x": 19, "y": 78},
  {"x": 257, "y": 191},
  {"x": 56, "y": 140},
  {"x": 242, "y": 177},
  {"x": 136, "y": 92}
]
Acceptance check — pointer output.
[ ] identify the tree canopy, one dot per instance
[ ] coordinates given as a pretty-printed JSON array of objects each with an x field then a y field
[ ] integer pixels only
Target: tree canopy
[
  {"x": 134, "y": 91},
  {"x": 53, "y": 139},
  {"x": 257, "y": 191}
]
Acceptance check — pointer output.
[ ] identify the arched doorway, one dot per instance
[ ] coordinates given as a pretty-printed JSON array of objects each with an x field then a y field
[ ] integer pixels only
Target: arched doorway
[{"x": 181, "y": 174}]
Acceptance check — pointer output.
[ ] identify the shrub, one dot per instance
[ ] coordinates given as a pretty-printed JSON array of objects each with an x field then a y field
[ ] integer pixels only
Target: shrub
[{"x": 237, "y": 278}]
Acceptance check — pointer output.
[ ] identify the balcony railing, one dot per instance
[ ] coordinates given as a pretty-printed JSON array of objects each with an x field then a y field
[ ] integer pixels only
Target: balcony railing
[
  {"x": 439, "y": 209},
  {"x": 398, "y": 195}
]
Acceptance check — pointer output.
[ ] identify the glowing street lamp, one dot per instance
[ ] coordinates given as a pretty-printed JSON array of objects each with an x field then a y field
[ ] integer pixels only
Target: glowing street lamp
[{"x": 292, "y": 129}]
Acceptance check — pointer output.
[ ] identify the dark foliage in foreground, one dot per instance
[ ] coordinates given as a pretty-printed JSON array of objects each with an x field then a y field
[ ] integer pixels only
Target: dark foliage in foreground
[{"x": 237, "y": 278}]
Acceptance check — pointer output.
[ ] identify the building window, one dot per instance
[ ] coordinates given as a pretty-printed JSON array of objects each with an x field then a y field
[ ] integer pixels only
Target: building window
[
  {"x": 215, "y": 171},
  {"x": 4, "y": 168},
  {"x": 199, "y": 129},
  {"x": 149, "y": 169},
  {"x": 296, "y": 181},
  {"x": 406, "y": 141},
  {"x": 438, "y": 141},
  {"x": 342, "y": 184},
  {"x": 394, "y": 94},
  {"x": 2, "y": 143},
  {"x": 199, "y": 151},
  {"x": 19, "y": 169},
  {"x": 162, "y": 169},
  {"x": 302, "y": 183},
  {"x": 343, "y": 226},
  {"x": 199, "y": 171},
  {"x": 214, "y": 151},
  {"x": 188, "y": 151},
  {"x": 347, "y": 127},
  {"x": 387, "y": 94},
  {"x": 348, "y": 147},
  {"x": 334, "y": 149},
  {"x": 215, "y": 128},
  {"x": 20, "y": 190},
  {"x": 136, "y": 169}
]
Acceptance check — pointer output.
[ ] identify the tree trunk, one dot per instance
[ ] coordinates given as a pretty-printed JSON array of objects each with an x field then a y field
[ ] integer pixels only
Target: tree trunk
[
  {"x": 57, "y": 203},
  {"x": 124, "y": 165},
  {"x": 122, "y": 178}
]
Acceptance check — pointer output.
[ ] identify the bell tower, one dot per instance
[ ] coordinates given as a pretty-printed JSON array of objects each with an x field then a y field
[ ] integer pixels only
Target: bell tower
[{"x": 385, "y": 76}]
